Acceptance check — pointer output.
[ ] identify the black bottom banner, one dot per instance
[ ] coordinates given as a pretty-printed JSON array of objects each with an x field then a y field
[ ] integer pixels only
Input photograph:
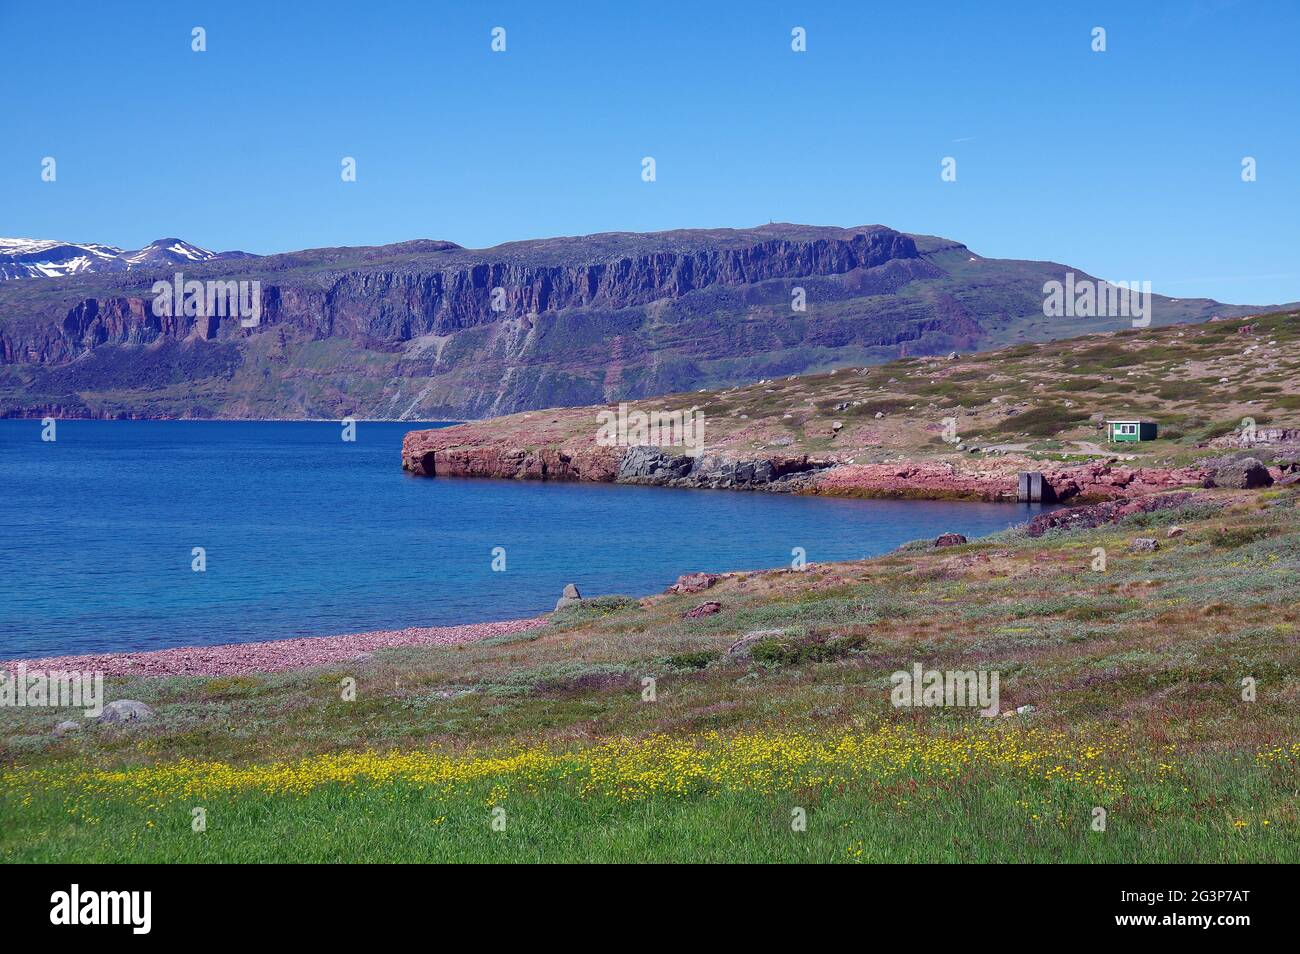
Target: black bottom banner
[{"x": 141, "y": 903}]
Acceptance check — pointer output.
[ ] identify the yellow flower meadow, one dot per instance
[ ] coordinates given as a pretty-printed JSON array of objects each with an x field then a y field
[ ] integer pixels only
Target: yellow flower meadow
[
  {"x": 636, "y": 768},
  {"x": 1279, "y": 755}
]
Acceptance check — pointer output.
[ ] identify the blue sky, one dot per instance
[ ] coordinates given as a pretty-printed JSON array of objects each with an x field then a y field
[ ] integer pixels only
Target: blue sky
[{"x": 1125, "y": 163}]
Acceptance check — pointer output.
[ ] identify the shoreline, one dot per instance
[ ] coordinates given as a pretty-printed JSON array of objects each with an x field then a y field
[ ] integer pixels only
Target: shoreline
[
  {"x": 304, "y": 652},
  {"x": 473, "y": 450},
  {"x": 299, "y": 652},
  {"x": 275, "y": 655}
]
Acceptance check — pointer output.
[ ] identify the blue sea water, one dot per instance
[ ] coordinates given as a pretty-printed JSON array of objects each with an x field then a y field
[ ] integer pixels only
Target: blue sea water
[{"x": 307, "y": 535}]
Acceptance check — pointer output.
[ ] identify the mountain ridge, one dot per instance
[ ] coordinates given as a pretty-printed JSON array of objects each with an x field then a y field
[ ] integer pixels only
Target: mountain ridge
[{"x": 428, "y": 328}]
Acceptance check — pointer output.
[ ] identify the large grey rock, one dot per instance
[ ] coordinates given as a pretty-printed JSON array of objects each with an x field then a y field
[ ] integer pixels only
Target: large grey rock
[
  {"x": 650, "y": 465},
  {"x": 126, "y": 710},
  {"x": 1242, "y": 474},
  {"x": 651, "y": 462},
  {"x": 743, "y": 648},
  {"x": 570, "y": 597}
]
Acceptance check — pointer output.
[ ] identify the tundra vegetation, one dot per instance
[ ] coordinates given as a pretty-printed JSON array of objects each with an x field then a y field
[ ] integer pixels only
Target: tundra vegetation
[{"x": 622, "y": 731}]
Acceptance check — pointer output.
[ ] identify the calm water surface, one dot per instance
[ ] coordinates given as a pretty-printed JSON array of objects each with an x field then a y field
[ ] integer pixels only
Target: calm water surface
[{"x": 308, "y": 535}]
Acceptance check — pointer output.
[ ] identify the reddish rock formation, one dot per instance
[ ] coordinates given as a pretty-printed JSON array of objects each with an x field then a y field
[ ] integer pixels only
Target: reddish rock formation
[
  {"x": 704, "y": 609},
  {"x": 693, "y": 583},
  {"x": 561, "y": 444},
  {"x": 531, "y": 451},
  {"x": 929, "y": 480},
  {"x": 440, "y": 453},
  {"x": 1102, "y": 481}
]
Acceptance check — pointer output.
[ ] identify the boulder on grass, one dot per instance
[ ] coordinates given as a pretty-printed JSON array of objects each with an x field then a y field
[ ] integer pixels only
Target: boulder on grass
[
  {"x": 570, "y": 597},
  {"x": 126, "y": 710},
  {"x": 694, "y": 582},
  {"x": 1144, "y": 545},
  {"x": 704, "y": 609},
  {"x": 949, "y": 540},
  {"x": 743, "y": 648}
]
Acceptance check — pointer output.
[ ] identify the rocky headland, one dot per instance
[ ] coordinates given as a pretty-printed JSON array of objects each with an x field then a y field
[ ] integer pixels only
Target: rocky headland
[
  {"x": 952, "y": 427},
  {"x": 466, "y": 451}
]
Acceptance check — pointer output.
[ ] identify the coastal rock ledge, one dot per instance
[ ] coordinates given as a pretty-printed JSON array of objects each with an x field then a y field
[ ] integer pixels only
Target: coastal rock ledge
[
  {"x": 425, "y": 454},
  {"x": 534, "y": 452}
]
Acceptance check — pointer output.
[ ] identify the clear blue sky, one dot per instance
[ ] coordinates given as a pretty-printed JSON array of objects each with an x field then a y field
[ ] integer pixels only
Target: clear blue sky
[{"x": 1124, "y": 163}]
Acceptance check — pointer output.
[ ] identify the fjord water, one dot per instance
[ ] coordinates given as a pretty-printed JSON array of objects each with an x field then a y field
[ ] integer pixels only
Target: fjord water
[{"x": 306, "y": 534}]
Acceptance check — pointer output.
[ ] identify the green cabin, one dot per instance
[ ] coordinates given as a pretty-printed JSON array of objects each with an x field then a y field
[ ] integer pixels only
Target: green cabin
[{"x": 1131, "y": 430}]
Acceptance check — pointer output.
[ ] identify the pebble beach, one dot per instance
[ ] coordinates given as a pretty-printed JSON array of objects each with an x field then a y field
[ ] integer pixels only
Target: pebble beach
[{"x": 239, "y": 659}]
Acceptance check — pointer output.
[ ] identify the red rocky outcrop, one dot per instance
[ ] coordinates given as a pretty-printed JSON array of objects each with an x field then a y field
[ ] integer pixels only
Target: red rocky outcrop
[
  {"x": 1102, "y": 481},
  {"x": 929, "y": 480},
  {"x": 434, "y": 454},
  {"x": 704, "y": 609},
  {"x": 524, "y": 453},
  {"x": 693, "y": 583}
]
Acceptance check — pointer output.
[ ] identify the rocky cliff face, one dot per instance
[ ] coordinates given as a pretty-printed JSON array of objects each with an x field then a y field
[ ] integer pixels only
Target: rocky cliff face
[
  {"x": 397, "y": 304},
  {"x": 511, "y": 463},
  {"x": 432, "y": 330}
]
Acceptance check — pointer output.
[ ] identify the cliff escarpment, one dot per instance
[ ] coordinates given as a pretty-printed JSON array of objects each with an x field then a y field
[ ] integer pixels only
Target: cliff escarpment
[{"x": 429, "y": 330}]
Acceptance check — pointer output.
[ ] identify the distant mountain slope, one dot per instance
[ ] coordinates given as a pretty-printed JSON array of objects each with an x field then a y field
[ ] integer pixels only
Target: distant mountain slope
[
  {"x": 430, "y": 329},
  {"x": 36, "y": 258}
]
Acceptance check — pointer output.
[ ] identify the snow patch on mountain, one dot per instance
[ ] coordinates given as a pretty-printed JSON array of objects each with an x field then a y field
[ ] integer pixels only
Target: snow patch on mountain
[{"x": 42, "y": 258}]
